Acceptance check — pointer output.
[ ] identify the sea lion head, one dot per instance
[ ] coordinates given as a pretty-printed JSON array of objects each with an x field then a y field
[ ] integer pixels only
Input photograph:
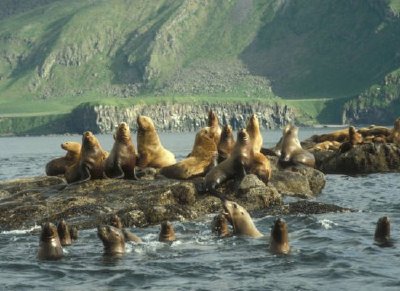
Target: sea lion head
[
  {"x": 382, "y": 230},
  {"x": 73, "y": 230},
  {"x": 89, "y": 140},
  {"x": 219, "y": 225},
  {"x": 123, "y": 132},
  {"x": 279, "y": 237},
  {"x": 49, "y": 246},
  {"x": 243, "y": 136},
  {"x": 212, "y": 119},
  {"x": 116, "y": 221},
  {"x": 253, "y": 123},
  {"x": 167, "y": 233},
  {"x": 145, "y": 123},
  {"x": 226, "y": 132},
  {"x": 112, "y": 238},
  {"x": 63, "y": 233},
  {"x": 70, "y": 146},
  {"x": 49, "y": 232}
]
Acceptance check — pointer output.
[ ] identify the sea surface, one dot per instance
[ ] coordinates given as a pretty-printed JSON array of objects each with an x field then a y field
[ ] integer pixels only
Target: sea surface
[{"x": 332, "y": 251}]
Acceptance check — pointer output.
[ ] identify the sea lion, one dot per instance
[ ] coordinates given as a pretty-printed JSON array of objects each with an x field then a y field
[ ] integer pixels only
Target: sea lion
[
  {"x": 253, "y": 129},
  {"x": 58, "y": 166},
  {"x": 261, "y": 167},
  {"x": 122, "y": 159},
  {"x": 274, "y": 151},
  {"x": 226, "y": 143},
  {"x": 49, "y": 247},
  {"x": 374, "y": 130},
  {"x": 112, "y": 238},
  {"x": 202, "y": 158},
  {"x": 91, "y": 161},
  {"x": 219, "y": 226},
  {"x": 292, "y": 153},
  {"x": 129, "y": 236},
  {"x": 73, "y": 231},
  {"x": 63, "y": 233},
  {"x": 279, "y": 241},
  {"x": 395, "y": 134},
  {"x": 151, "y": 153},
  {"x": 215, "y": 129},
  {"x": 235, "y": 166},
  {"x": 355, "y": 138},
  {"x": 382, "y": 232},
  {"x": 326, "y": 146},
  {"x": 167, "y": 233},
  {"x": 338, "y": 135},
  {"x": 240, "y": 219}
]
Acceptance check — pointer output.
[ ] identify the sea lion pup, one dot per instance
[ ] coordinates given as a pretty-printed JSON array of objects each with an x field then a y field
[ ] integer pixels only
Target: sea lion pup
[
  {"x": 215, "y": 129},
  {"x": 226, "y": 143},
  {"x": 113, "y": 239},
  {"x": 58, "y": 166},
  {"x": 150, "y": 150},
  {"x": 63, "y": 233},
  {"x": 395, "y": 134},
  {"x": 279, "y": 241},
  {"x": 382, "y": 232},
  {"x": 122, "y": 159},
  {"x": 240, "y": 219},
  {"x": 167, "y": 233},
  {"x": 129, "y": 236},
  {"x": 355, "y": 138},
  {"x": 219, "y": 226},
  {"x": 49, "y": 247},
  {"x": 253, "y": 129},
  {"x": 261, "y": 167},
  {"x": 234, "y": 167},
  {"x": 91, "y": 161},
  {"x": 199, "y": 162},
  {"x": 292, "y": 153}
]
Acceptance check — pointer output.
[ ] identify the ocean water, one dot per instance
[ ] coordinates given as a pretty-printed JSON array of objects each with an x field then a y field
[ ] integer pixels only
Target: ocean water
[{"x": 333, "y": 251}]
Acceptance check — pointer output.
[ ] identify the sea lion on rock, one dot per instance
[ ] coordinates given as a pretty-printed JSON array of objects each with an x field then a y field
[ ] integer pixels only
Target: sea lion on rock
[
  {"x": 279, "y": 241},
  {"x": 261, "y": 167},
  {"x": 63, "y": 233},
  {"x": 355, "y": 138},
  {"x": 91, "y": 161},
  {"x": 122, "y": 159},
  {"x": 292, "y": 153},
  {"x": 338, "y": 135},
  {"x": 215, "y": 129},
  {"x": 253, "y": 129},
  {"x": 49, "y": 247},
  {"x": 226, "y": 143},
  {"x": 113, "y": 239},
  {"x": 326, "y": 146},
  {"x": 382, "y": 232},
  {"x": 395, "y": 134},
  {"x": 167, "y": 233},
  {"x": 151, "y": 153},
  {"x": 58, "y": 166},
  {"x": 129, "y": 236},
  {"x": 202, "y": 158},
  {"x": 240, "y": 219},
  {"x": 219, "y": 226}
]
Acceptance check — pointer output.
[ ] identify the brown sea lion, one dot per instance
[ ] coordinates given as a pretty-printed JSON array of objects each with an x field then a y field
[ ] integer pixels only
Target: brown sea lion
[
  {"x": 219, "y": 226},
  {"x": 338, "y": 135},
  {"x": 113, "y": 239},
  {"x": 292, "y": 153},
  {"x": 279, "y": 241},
  {"x": 49, "y": 247},
  {"x": 129, "y": 236},
  {"x": 63, "y": 233},
  {"x": 58, "y": 166},
  {"x": 382, "y": 232},
  {"x": 395, "y": 134},
  {"x": 226, "y": 143},
  {"x": 374, "y": 130},
  {"x": 355, "y": 138},
  {"x": 122, "y": 159},
  {"x": 151, "y": 153},
  {"x": 253, "y": 129},
  {"x": 167, "y": 233},
  {"x": 91, "y": 161},
  {"x": 202, "y": 158},
  {"x": 235, "y": 166},
  {"x": 326, "y": 146},
  {"x": 261, "y": 167},
  {"x": 240, "y": 219},
  {"x": 73, "y": 231},
  {"x": 213, "y": 124}
]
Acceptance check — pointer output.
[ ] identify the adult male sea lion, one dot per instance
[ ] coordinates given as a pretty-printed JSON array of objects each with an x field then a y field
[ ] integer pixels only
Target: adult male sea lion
[
  {"x": 150, "y": 150},
  {"x": 167, "y": 232},
  {"x": 113, "y": 239},
  {"x": 213, "y": 124},
  {"x": 202, "y": 158},
  {"x": 219, "y": 226},
  {"x": 58, "y": 166},
  {"x": 279, "y": 241},
  {"x": 253, "y": 129},
  {"x": 338, "y": 135},
  {"x": 49, "y": 247},
  {"x": 129, "y": 236},
  {"x": 91, "y": 161},
  {"x": 63, "y": 233},
  {"x": 382, "y": 232},
  {"x": 291, "y": 152},
  {"x": 355, "y": 138},
  {"x": 226, "y": 143},
  {"x": 122, "y": 159}
]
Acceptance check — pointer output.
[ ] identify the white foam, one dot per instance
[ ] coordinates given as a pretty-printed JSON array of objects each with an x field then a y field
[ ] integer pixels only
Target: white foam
[
  {"x": 21, "y": 231},
  {"x": 327, "y": 224}
]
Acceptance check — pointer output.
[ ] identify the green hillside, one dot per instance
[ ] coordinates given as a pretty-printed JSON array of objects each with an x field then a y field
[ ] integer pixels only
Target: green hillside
[{"x": 57, "y": 54}]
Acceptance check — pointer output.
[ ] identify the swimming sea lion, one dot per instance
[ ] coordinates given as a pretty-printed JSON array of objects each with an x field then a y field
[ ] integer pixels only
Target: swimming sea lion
[
  {"x": 279, "y": 241},
  {"x": 151, "y": 153},
  {"x": 292, "y": 153},
  {"x": 382, "y": 232},
  {"x": 167, "y": 233},
  {"x": 91, "y": 161},
  {"x": 202, "y": 158},
  {"x": 129, "y": 236},
  {"x": 355, "y": 138},
  {"x": 226, "y": 143},
  {"x": 58, "y": 166},
  {"x": 253, "y": 129},
  {"x": 73, "y": 231},
  {"x": 49, "y": 247},
  {"x": 122, "y": 159},
  {"x": 112, "y": 238},
  {"x": 233, "y": 167},
  {"x": 63, "y": 233},
  {"x": 240, "y": 219},
  {"x": 219, "y": 226},
  {"x": 261, "y": 167}
]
